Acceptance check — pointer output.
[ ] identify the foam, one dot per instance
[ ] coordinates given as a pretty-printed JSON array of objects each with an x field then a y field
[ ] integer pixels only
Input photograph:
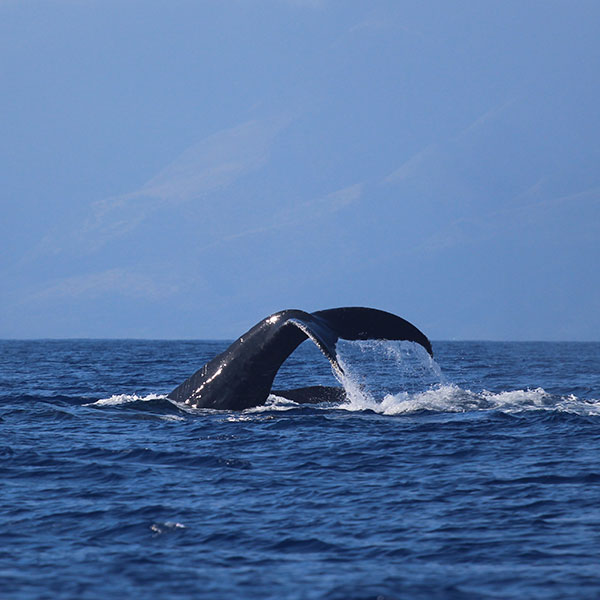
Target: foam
[
  {"x": 276, "y": 403},
  {"x": 453, "y": 399},
  {"x": 118, "y": 399},
  {"x": 411, "y": 368}
]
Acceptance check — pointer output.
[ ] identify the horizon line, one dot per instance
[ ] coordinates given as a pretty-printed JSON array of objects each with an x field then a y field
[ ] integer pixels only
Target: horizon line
[{"x": 210, "y": 339}]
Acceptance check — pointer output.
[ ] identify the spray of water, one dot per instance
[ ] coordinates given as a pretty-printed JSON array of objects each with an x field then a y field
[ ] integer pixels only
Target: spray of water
[
  {"x": 376, "y": 369},
  {"x": 395, "y": 378}
]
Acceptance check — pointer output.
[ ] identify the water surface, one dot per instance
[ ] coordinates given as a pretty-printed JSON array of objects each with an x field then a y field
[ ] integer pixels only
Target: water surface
[{"x": 473, "y": 477}]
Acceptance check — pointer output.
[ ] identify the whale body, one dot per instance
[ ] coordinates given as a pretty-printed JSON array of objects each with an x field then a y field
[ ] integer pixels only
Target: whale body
[{"x": 241, "y": 377}]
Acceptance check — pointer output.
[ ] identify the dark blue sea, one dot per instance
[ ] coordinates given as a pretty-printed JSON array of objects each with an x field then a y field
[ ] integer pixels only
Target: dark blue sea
[{"x": 474, "y": 476}]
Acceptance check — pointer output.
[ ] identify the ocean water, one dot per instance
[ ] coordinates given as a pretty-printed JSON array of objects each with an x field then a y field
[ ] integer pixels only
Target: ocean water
[{"x": 474, "y": 476}]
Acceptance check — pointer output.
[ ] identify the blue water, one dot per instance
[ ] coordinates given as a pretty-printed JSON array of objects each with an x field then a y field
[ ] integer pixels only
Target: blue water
[{"x": 477, "y": 476}]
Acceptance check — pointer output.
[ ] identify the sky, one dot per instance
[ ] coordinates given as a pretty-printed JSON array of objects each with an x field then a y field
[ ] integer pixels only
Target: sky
[{"x": 184, "y": 168}]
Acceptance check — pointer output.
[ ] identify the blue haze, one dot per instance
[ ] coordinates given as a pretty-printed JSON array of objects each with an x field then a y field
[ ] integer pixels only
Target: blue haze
[{"x": 181, "y": 169}]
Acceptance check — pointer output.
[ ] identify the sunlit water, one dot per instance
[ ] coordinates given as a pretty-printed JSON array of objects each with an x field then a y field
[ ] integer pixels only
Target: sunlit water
[{"x": 474, "y": 476}]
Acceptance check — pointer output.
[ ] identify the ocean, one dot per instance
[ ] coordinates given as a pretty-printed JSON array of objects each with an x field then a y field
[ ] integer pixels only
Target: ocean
[{"x": 474, "y": 476}]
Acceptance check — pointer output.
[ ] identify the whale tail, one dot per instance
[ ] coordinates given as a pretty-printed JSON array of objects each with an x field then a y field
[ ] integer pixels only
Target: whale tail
[
  {"x": 357, "y": 323},
  {"x": 242, "y": 376}
]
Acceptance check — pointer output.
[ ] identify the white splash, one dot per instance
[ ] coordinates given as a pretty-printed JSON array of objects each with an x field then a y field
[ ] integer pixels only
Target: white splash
[
  {"x": 274, "y": 403},
  {"x": 166, "y": 527},
  {"x": 453, "y": 399},
  {"x": 370, "y": 366},
  {"x": 117, "y": 399}
]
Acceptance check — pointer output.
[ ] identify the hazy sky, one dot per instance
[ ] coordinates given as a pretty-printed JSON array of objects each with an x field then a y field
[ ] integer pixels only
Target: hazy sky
[{"x": 181, "y": 169}]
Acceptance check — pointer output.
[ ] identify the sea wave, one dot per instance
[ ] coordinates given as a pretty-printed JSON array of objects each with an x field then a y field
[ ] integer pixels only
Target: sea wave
[
  {"x": 159, "y": 404},
  {"x": 453, "y": 399},
  {"x": 275, "y": 403},
  {"x": 441, "y": 398},
  {"x": 445, "y": 398},
  {"x": 119, "y": 399}
]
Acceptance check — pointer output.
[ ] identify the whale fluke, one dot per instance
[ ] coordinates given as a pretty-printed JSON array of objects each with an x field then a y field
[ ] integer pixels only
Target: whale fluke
[
  {"x": 242, "y": 376},
  {"x": 313, "y": 394}
]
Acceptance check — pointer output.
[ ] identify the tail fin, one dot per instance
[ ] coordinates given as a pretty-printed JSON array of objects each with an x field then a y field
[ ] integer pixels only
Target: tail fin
[
  {"x": 357, "y": 323},
  {"x": 242, "y": 376}
]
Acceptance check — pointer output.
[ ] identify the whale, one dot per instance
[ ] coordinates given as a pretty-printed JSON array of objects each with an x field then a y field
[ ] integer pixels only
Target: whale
[{"x": 242, "y": 376}]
